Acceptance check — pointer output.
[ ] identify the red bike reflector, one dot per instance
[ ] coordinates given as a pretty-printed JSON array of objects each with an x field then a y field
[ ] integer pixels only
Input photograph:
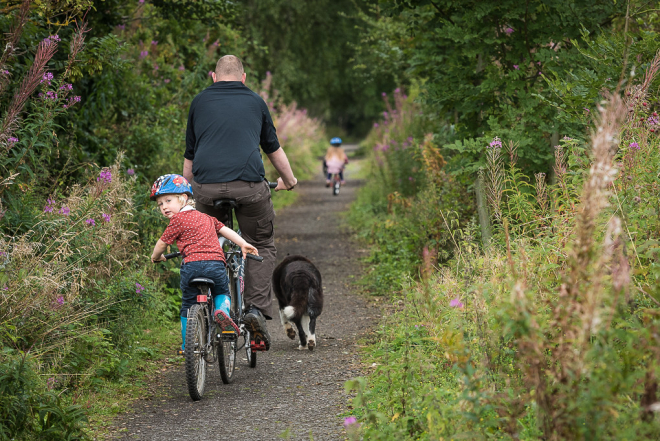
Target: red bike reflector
[{"x": 202, "y": 298}]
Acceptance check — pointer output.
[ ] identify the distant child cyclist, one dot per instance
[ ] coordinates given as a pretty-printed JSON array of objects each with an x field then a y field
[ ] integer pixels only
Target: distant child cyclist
[
  {"x": 334, "y": 162},
  {"x": 196, "y": 235}
]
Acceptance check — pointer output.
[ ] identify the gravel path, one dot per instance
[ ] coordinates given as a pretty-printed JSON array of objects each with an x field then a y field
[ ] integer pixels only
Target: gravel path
[{"x": 291, "y": 394}]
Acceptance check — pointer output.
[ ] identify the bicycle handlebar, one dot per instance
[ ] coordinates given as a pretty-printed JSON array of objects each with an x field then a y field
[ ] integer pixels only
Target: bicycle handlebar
[
  {"x": 257, "y": 258},
  {"x": 272, "y": 184},
  {"x": 171, "y": 255}
]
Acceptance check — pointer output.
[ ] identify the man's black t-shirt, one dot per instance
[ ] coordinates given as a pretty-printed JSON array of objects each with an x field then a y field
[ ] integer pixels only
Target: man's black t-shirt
[{"x": 226, "y": 124}]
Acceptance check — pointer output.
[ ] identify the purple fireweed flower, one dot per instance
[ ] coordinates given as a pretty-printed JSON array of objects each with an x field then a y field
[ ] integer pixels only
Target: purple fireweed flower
[
  {"x": 652, "y": 121},
  {"x": 516, "y": 67},
  {"x": 410, "y": 178},
  {"x": 105, "y": 176},
  {"x": 2, "y": 253},
  {"x": 12, "y": 140},
  {"x": 349, "y": 421},
  {"x": 91, "y": 222},
  {"x": 166, "y": 80},
  {"x": 138, "y": 288},
  {"x": 634, "y": 145},
  {"x": 50, "y": 95},
  {"x": 181, "y": 68},
  {"x": 567, "y": 138},
  {"x": 48, "y": 209},
  {"x": 76, "y": 99},
  {"x": 52, "y": 38},
  {"x": 121, "y": 27},
  {"x": 5, "y": 288},
  {"x": 216, "y": 43},
  {"x": 60, "y": 300},
  {"x": 384, "y": 94},
  {"x": 5, "y": 72},
  {"x": 140, "y": 1},
  {"x": 143, "y": 54},
  {"x": 50, "y": 201},
  {"x": 66, "y": 87},
  {"x": 496, "y": 143},
  {"x": 410, "y": 139},
  {"x": 397, "y": 90},
  {"x": 538, "y": 63},
  {"x": 587, "y": 110},
  {"x": 47, "y": 77},
  {"x": 106, "y": 217},
  {"x": 385, "y": 114},
  {"x": 456, "y": 303},
  {"x": 375, "y": 125},
  {"x": 154, "y": 42},
  {"x": 509, "y": 31},
  {"x": 65, "y": 211},
  {"x": 130, "y": 172},
  {"x": 156, "y": 67}
]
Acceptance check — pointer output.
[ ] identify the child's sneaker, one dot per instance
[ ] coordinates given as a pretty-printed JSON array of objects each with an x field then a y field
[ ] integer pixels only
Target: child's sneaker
[
  {"x": 327, "y": 183},
  {"x": 225, "y": 322}
]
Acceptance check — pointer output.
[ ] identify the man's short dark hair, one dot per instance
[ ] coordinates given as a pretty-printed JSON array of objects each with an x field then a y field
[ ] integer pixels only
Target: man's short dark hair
[{"x": 229, "y": 66}]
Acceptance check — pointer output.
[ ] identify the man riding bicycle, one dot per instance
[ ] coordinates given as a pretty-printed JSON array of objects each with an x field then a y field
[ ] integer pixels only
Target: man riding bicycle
[{"x": 227, "y": 123}]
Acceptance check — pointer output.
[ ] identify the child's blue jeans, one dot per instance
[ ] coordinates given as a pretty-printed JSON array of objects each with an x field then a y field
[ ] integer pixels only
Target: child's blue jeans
[{"x": 211, "y": 269}]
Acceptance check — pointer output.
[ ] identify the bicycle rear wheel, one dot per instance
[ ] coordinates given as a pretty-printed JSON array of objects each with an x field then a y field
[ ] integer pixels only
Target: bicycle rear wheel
[
  {"x": 251, "y": 355},
  {"x": 335, "y": 185},
  {"x": 194, "y": 353},
  {"x": 227, "y": 360}
]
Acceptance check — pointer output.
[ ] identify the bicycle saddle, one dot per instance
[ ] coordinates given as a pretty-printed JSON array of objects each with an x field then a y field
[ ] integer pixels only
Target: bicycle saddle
[
  {"x": 202, "y": 281},
  {"x": 225, "y": 203}
]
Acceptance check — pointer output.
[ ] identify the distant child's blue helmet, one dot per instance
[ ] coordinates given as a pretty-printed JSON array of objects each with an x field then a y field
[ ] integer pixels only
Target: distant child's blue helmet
[
  {"x": 170, "y": 184},
  {"x": 335, "y": 141}
]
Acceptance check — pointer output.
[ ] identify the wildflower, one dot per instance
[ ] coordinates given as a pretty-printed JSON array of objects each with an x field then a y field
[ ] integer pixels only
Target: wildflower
[
  {"x": 50, "y": 95},
  {"x": 52, "y": 38},
  {"x": 216, "y": 43},
  {"x": 456, "y": 303},
  {"x": 12, "y": 140},
  {"x": 65, "y": 211},
  {"x": 47, "y": 77},
  {"x": 385, "y": 147},
  {"x": 516, "y": 67},
  {"x": 5, "y": 72},
  {"x": 496, "y": 143},
  {"x": 586, "y": 110},
  {"x": 181, "y": 68},
  {"x": 509, "y": 31},
  {"x": 566, "y": 138},
  {"x": 66, "y": 87},
  {"x": 5, "y": 288},
  {"x": 385, "y": 114},
  {"x": 349, "y": 421},
  {"x": 2, "y": 253},
  {"x": 48, "y": 209},
  {"x": 410, "y": 178},
  {"x": 50, "y": 383},
  {"x": 138, "y": 288},
  {"x": 106, "y": 217},
  {"x": 375, "y": 125},
  {"x": 105, "y": 175},
  {"x": 652, "y": 121},
  {"x": 140, "y": 1},
  {"x": 156, "y": 67},
  {"x": 60, "y": 300},
  {"x": 76, "y": 99},
  {"x": 166, "y": 80},
  {"x": 397, "y": 90},
  {"x": 384, "y": 94},
  {"x": 410, "y": 139},
  {"x": 130, "y": 172},
  {"x": 121, "y": 27},
  {"x": 154, "y": 42},
  {"x": 143, "y": 54},
  {"x": 634, "y": 145},
  {"x": 91, "y": 222}
]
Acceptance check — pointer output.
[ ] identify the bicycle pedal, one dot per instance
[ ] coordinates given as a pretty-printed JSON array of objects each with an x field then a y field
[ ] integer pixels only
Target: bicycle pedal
[
  {"x": 257, "y": 346},
  {"x": 228, "y": 335}
]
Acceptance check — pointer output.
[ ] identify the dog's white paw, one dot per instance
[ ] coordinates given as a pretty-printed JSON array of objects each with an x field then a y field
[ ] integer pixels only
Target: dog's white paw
[{"x": 301, "y": 347}]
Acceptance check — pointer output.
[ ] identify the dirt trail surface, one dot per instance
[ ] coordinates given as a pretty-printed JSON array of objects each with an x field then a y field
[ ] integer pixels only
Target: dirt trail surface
[{"x": 291, "y": 394}]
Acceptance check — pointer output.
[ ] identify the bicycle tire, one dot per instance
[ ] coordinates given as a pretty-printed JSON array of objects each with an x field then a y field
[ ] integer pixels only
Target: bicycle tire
[
  {"x": 227, "y": 360},
  {"x": 195, "y": 345},
  {"x": 335, "y": 188},
  {"x": 251, "y": 355}
]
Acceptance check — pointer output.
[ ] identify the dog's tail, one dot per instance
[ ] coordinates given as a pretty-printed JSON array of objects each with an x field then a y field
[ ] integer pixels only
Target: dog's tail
[{"x": 312, "y": 305}]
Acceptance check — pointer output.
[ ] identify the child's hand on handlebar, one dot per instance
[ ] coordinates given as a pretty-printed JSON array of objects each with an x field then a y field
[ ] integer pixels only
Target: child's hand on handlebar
[{"x": 249, "y": 249}]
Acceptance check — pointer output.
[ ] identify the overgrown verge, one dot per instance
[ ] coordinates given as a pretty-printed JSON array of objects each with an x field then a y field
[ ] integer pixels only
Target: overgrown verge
[
  {"x": 550, "y": 331},
  {"x": 84, "y": 315}
]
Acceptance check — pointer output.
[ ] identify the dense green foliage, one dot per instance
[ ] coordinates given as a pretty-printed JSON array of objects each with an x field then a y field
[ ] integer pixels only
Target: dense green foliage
[
  {"x": 547, "y": 330},
  {"x": 92, "y": 110}
]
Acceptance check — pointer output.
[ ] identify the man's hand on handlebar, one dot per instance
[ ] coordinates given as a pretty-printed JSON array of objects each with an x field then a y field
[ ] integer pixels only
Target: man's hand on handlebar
[
  {"x": 282, "y": 186},
  {"x": 160, "y": 258}
]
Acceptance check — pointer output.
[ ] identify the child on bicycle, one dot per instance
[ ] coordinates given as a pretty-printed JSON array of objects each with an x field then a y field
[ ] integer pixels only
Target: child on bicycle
[
  {"x": 196, "y": 235},
  {"x": 334, "y": 162}
]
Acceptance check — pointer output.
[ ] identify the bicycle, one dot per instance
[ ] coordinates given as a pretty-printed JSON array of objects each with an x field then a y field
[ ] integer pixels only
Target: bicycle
[
  {"x": 204, "y": 344},
  {"x": 336, "y": 183}
]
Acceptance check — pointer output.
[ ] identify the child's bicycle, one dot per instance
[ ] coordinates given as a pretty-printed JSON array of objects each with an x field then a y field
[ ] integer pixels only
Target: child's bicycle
[{"x": 336, "y": 183}]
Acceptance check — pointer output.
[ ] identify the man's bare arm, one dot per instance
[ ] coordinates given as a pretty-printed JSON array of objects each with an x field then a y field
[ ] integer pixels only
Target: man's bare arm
[
  {"x": 187, "y": 169},
  {"x": 281, "y": 163}
]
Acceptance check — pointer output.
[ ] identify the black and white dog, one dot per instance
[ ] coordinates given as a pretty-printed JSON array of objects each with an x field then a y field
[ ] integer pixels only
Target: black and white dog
[{"x": 299, "y": 292}]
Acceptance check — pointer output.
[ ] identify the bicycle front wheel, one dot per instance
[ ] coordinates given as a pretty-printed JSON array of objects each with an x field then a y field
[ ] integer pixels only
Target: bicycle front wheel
[
  {"x": 227, "y": 360},
  {"x": 194, "y": 353}
]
